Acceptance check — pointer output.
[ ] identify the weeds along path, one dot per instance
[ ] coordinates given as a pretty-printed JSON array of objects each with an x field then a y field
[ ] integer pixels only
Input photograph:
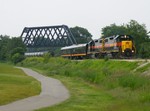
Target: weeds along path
[
  {"x": 136, "y": 60},
  {"x": 142, "y": 65},
  {"x": 52, "y": 92}
]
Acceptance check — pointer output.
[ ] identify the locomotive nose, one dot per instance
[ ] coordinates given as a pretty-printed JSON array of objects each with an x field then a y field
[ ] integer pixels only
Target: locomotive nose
[
  {"x": 128, "y": 52},
  {"x": 127, "y": 48}
]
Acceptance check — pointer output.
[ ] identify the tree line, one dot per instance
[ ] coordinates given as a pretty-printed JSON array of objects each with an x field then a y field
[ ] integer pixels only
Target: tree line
[
  {"x": 13, "y": 49},
  {"x": 137, "y": 31}
]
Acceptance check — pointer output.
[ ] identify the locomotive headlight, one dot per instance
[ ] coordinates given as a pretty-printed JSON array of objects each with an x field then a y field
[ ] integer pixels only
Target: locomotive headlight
[
  {"x": 132, "y": 50},
  {"x": 123, "y": 51}
]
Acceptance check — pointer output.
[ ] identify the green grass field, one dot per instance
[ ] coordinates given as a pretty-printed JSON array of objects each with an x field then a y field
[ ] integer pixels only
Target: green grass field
[
  {"x": 15, "y": 85},
  {"x": 97, "y": 85}
]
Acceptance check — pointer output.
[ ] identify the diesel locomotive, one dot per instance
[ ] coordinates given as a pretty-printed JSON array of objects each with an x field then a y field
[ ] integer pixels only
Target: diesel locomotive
[{"x": 120, "y": 46}]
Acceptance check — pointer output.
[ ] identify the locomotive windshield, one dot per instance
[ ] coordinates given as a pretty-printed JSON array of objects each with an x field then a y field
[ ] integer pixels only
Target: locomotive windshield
[{"x": 124, "y": 38}]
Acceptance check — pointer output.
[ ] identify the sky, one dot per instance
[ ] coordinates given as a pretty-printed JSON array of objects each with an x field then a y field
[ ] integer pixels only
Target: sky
[{"x": 90, "y": 14}]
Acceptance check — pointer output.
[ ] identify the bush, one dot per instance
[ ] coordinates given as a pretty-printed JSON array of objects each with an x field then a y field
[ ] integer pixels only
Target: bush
[
  {"x": 145, "y": 50},
  {"x": 17, "y": 58},
  {"x": 46, "y": 57},
  {"x": 33, "y": 61}
]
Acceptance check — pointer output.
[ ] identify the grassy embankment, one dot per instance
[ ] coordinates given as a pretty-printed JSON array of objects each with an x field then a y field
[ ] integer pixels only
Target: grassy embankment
[
  {"x": 15, "y": 85},
  {"x": 97, "y": 85}
]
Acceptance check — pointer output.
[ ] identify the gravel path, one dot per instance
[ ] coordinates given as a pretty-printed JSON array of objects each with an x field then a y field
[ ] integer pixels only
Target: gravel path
[{"x": 52, "y": 92}]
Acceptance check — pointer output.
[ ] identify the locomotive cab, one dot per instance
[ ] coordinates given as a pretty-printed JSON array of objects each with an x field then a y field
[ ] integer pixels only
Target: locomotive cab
[{"x": 127, "y": 48}]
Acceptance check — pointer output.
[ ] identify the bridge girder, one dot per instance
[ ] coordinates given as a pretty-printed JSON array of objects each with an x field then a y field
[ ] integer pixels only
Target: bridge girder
[{"x": 47, "y": 36}]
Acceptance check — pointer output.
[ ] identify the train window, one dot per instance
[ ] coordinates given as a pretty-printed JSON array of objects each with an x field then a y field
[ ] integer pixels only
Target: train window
[
  {"x": 96, "y": 41},
  {"x": 124, "y": 37},
  {"x": 106, "y": 40},
  {"x": 111, "y": 38},
  {"x": 100, "y": 41}
]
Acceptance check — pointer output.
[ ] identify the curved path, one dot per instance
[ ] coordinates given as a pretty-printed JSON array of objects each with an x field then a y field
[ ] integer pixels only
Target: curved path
[{"x": 52, "y": 92}]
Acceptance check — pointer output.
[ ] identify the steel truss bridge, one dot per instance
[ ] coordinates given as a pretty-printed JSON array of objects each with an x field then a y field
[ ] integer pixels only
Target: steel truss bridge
[{"x": 47, "y": 36}]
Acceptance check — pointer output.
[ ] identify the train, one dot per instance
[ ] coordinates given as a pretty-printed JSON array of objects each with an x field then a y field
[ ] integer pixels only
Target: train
[
  {"x": 119, "y": 46},
  {"x": 28, "y": 54}
]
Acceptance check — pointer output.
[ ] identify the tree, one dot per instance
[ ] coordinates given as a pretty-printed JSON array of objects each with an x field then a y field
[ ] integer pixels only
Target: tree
[
  {"x": 17, "y": 57},
  {"x": 4, "y": 40},
  {"x": 113, "y": 29},
  {"x": 16, "y": 42},
  {"x": 145, "y": 50},
  {"x": 133, "y": 28},
  {"x": 19, "y": 50},
  {"x": 139, "y": 33},
  {"x": 81, "y": 35},
  {"x": 10, "y": 46}
]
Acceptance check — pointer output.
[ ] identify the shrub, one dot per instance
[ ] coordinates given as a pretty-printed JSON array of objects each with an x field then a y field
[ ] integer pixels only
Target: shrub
[
  {"x": 17, "y": 58},
  {"x": 46, "y": 57}
]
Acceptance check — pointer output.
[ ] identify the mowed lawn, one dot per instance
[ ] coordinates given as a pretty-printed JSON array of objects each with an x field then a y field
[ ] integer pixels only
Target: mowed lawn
[{"x": 15, "y": 84}]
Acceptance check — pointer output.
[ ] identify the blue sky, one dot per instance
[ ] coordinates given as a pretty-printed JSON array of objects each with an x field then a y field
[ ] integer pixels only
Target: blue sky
[{"x": 90, "y": 14}]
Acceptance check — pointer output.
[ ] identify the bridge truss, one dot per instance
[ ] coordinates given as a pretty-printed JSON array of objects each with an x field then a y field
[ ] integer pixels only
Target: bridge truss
[{"x": 48, "y": 36}]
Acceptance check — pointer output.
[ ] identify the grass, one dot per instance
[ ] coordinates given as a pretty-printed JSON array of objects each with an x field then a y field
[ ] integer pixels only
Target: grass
[
  {"x": 87, "y": 97},
  {"x": 15, "y": 84},
  {"x": 143, "y": 69},
  {"x": 84, "y": 97},
  {"x": 96, "y": 85}
]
